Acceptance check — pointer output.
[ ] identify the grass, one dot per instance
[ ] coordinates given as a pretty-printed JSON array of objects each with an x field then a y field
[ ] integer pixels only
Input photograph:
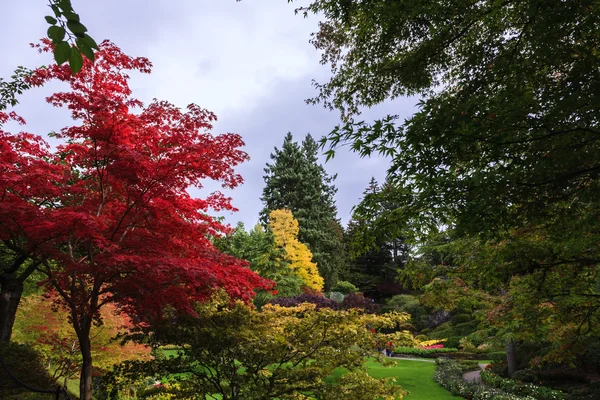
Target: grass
[{"x": 414, "y": 376}]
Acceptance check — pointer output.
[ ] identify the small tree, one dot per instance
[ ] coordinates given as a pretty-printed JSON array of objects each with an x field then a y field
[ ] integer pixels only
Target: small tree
[
  {"x": 285, "y": 230},
  {"x": 129, "y": 233},
  {"x": 283, "y": 353}
]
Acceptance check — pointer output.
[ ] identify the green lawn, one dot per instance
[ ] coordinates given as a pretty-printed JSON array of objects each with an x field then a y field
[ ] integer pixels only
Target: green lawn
[{"x": 414, "y": 376}]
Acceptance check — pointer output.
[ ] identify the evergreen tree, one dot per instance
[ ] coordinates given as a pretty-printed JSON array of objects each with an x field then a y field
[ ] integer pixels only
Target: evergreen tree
[{"x": 296, "y": 181}]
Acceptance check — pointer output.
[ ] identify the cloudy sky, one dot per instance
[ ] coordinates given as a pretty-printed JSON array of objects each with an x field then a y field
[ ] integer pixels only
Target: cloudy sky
[{"x": 249, "y": 62}]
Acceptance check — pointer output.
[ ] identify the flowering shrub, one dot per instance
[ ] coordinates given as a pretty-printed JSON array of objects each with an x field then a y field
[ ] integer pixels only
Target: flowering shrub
[
  {"x": 520, "y": 388},
  {"x": 435, "y": 346},
  {"x": 449, "y": 375},
  {"x": 432, "y": 344}
]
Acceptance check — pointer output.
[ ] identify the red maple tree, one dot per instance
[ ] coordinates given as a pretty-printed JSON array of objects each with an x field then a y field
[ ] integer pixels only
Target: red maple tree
[
  {"x": 30, "y": 179},
  {"x": 129, "y": 231}
]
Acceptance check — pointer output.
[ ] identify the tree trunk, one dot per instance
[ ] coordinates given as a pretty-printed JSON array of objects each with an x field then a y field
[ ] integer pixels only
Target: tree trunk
[
  {"x": 85, "y": 379},
  {"x": 11, "y": 290},
  {"x": 511, "y": 357}
]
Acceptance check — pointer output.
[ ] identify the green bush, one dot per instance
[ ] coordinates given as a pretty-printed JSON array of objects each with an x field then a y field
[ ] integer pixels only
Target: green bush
[
  {"x": 336, "y": 296},
  {"x": 497, "y": 355},
  {"x": 345, "y": 287},
  {"x": 461, "y": 318},
  {"x": 453, "y": 341},
  {"x": 525, "y": 375},
  {"x": 25, "y": 364},
  {"x": 423, "y": 352}
]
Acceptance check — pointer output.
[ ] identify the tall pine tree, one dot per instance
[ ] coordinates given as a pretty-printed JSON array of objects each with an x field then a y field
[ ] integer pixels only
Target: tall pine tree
[{"x": 296, "y": 181}]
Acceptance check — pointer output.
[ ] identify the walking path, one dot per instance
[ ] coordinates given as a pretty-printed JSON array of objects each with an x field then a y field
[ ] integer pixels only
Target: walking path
[{"x": 474, "y": 376}]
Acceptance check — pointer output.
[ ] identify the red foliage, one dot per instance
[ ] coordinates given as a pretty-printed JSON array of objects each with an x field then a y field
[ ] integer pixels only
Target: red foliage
[
  {"x": 30, "y": 180},
  {"x": 118, "y": 223},
  {"x": 129, "y": 229}
]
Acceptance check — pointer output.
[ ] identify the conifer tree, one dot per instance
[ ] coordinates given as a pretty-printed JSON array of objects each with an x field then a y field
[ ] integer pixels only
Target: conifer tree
[{"x": 296, "y": 181}]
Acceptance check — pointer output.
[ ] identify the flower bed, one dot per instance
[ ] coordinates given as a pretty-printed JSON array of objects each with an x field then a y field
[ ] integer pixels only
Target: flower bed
[
  {"x": 520, "y": 388},
  {"x": 449, "y": 375}
]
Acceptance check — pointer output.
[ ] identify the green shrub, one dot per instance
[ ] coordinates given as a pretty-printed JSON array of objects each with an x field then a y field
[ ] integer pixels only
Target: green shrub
[
  {"x": 336, "y": 296},
  {"x": 423, "y": 352},
  {"x": 345, "y": 287},
  {"x": 25, "y": 364},
  {"x": 261, "y": 299},
  {"x": 453, "y": 341},
  {"x": 461, "y": 318},
  {"x": 421, "y": 338},
  {"x": 525, "y": 375},
  {"x": 497, "y": 355}
]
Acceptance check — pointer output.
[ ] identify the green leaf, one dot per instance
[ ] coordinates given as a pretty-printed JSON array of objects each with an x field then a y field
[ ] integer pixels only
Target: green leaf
[
  {"x": 56, "y": 33},
  {"x": 75, "y": 60},
  {"x": 65, "y": 5},
  {"x": 71, "y": 16},
  {"x": 85, "y": 49},
  {"x": 89, "y": 41},
  {"x": 62, "y": 51},
  {"x": 56, "y": 10},
  {"x": 76, "y": 27},
  {"x": 51, "y": 20}
]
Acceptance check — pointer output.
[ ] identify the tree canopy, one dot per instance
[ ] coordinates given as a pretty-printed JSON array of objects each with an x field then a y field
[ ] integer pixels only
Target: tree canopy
[
  {"x": 504, "y": 146},
  {"x": 297, "y": 182}
]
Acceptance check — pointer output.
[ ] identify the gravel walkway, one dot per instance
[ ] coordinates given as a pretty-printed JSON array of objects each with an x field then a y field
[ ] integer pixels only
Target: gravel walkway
[{"x": 474, "y": 376}]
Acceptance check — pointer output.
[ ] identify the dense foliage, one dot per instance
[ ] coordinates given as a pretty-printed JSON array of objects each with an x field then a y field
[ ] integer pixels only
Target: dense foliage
[
  {"x": 503, "y": 148},
  {"x": 285, "y": 233},
  {"x": 266, "y": 258},
  {"x": 286, "y": 353},
  {"x": 295, "y": 181}
]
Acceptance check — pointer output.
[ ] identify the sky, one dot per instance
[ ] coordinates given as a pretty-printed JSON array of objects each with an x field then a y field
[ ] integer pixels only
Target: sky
[{"x": 250, "y": 62}]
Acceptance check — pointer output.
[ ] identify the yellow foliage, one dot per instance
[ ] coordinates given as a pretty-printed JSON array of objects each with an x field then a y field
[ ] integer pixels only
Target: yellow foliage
[
  {"x": 431, "y": 342},
  {"x": 285, "y": 231}
]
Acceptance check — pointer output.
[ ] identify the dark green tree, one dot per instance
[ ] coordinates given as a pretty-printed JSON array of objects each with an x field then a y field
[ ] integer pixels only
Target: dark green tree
[{"x": 296, "y": 181}]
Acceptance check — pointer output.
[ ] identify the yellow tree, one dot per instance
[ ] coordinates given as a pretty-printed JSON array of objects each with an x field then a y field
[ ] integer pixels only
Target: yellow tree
[{"x": 285, "y": 231}]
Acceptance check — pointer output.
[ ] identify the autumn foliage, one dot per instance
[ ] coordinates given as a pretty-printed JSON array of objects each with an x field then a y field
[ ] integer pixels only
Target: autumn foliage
[
  {"x": 47, "y": 329},
  {"x": 124, "y": 229},
  {"x": 285, "y": 231}
]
